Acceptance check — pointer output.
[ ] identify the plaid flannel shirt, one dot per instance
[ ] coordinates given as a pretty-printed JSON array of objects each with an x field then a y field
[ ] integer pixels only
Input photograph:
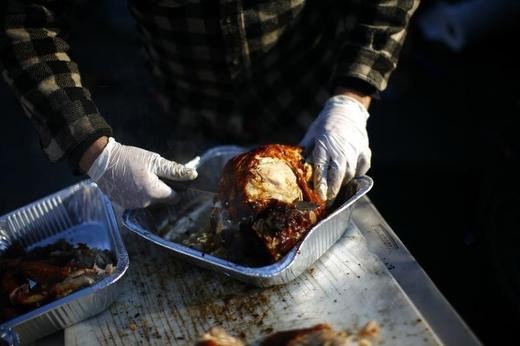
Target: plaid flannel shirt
[{"x": 230, "y": 68}]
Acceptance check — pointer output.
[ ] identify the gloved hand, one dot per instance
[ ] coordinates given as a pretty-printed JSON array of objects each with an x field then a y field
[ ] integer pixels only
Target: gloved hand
[
  {"x": 339, "y": 140},
  {"x": 130, "y": 175}
]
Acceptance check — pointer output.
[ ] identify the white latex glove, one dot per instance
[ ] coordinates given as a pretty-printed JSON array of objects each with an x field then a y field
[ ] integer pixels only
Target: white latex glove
[
  {"x": 339, "y": 141},
  {"x": 130, "y": 175}
]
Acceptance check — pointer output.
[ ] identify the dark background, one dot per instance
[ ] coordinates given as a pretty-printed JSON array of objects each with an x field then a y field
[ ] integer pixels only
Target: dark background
[{"x": 444, "y": 139}]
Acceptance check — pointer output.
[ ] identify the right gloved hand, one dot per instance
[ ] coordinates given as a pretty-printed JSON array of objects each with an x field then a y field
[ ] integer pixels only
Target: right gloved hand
[
  {"x": 130, "y": 175},
  {"x": 339, "y": 142}
]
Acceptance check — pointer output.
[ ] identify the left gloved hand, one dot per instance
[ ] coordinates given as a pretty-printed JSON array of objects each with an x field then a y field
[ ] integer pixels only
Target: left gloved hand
[{"x": 339, "y": 142}]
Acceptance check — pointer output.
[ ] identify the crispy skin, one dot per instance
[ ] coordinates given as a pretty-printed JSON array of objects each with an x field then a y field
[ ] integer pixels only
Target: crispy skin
[
  {"x": 288, "y": 337},
  {"x": 265, "y": 202},
  {"x": 42, "y": 272}
]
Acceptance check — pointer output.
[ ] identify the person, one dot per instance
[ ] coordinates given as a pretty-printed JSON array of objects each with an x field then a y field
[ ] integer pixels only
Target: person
[{"x": 239, "y": 71}]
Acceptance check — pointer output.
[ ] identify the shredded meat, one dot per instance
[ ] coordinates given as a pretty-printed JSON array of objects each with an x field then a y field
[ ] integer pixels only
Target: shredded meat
[
  {"x": 265, "y": 202},
  {"x": 217, "y": 336}
]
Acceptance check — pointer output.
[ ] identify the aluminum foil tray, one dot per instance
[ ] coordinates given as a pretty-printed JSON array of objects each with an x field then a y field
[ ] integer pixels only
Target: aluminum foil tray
[
  {"x": 78, "y": 214},
  {"x": 190, "y": 213}
]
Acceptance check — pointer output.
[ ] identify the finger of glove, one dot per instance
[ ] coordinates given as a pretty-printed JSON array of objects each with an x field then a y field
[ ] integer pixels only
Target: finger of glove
[
  {"x": 336, "y": 175},
  {"x": 363, "y": 163},
  {"x": 320, "y": 160},
  {"x": 160, "y": 191},
  {"x": 120, "y": 195},
  {"x": 350, "y": 171},
  {"x": 173, "y": 170},
  {"x": 194, "y": 163}
]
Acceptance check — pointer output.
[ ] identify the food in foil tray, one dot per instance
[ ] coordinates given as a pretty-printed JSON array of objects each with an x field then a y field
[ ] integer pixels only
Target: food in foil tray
[
  {"x": 318, "y": 335},
  {"x": 265, "y": 203},
  {"x": 29, "y": 279}
]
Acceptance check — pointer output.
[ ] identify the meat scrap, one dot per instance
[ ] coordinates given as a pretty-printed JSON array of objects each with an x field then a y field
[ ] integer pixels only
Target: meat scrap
[
  {"x": 320, "y": 334},
  {"x": 217, "y": 336},
  {"x": 317, "y": 335},
  {"x": 265, "y": 203}
]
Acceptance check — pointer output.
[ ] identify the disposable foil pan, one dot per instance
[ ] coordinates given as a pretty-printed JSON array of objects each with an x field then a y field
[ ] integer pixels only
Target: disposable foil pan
[
  {"x": 148, "y": 222},
  {"x": 78, "y": 214}
]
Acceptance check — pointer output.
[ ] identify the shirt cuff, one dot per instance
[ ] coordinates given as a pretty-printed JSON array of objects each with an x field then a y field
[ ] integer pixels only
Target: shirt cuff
[
  {"x": 74, "y": 155},
  {"x": 358, "y": 85}
]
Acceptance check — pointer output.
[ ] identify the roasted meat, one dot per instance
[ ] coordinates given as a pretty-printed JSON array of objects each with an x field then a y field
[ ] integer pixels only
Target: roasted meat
[
  {"x": 318, "y": 335},
  {"x": 30, "y": 279},
  {"x": 265, "y": 203},
  {"x": 325, "y": 334}
]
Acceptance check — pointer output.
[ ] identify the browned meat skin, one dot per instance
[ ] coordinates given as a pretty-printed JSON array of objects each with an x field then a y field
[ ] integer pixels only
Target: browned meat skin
[
  {"x": 42, "y": 272},
  {"x": 39, "y": 271},
  {"x": 54, "y": 281},
  {"x": 281, "y": 225},
  {"x": 283, "y": 338},
  {"x": 257, "y": 203}
]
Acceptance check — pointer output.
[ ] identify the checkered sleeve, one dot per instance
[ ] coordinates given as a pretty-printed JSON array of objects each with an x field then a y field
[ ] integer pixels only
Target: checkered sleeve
[
  {"x": 35, "y": 63},
  {"x": 375, "y": 31}
]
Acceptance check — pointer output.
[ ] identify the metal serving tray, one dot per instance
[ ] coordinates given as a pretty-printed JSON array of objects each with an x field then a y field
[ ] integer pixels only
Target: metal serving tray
[
  {"x": 78, "y": 214},
  {"x": 149, "y": 221}
]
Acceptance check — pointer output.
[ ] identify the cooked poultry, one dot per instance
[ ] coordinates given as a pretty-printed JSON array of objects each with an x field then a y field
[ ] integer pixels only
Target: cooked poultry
[
  {"x": 49, "y": 281},
  {"x": 30, "y": 279},
  {"x": 265, "y": 203}
]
